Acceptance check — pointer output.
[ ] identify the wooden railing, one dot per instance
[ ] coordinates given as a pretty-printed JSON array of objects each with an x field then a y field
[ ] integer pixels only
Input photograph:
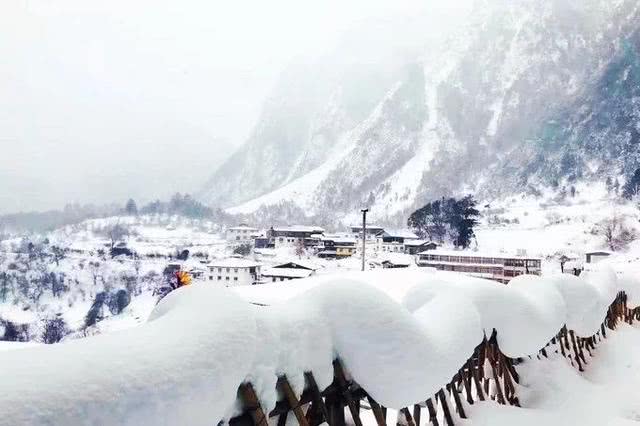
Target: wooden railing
[{"x": 487, "y": 375}]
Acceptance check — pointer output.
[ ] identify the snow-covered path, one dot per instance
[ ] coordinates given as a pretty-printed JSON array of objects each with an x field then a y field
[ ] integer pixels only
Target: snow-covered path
[{"x": 554, "y": 393}]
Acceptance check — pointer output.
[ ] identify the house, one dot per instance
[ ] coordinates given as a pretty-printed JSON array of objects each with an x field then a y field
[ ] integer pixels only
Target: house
[
  {"x": 414, "y": 247},
  {"x": 337, "y": 245},
  {"x": 290, "y": 236},
  {"x": 263, "y": 242},
  {"x": 288, "y": 271},
  {"x": 198, "y": 273},
  {"x": 597, "y": 256},
  {"x": 241, "y": 234},
  {"x": 395, "y": 260},
  {"x": 496, "y": 267},
  {"x": 393, "y": 240},
  {"x": 372, "y": 231},
  {"x": 234, "y": 271}
]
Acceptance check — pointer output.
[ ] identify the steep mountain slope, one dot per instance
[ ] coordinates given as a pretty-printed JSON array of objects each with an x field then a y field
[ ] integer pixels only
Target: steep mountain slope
[{"x": 494, "y": 109}]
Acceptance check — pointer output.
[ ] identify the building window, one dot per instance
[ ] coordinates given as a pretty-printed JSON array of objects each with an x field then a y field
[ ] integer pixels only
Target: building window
[
  {"x": 219, "y": 269},
  {"x": 228, "y": 270},
  {"x": 235, "y": 278},
  {"x": 210, "y": 277},
  {"x": 227, "y": 278},
  {"x": 235, "y": 270},
  {"x": 219, "y": 278}
]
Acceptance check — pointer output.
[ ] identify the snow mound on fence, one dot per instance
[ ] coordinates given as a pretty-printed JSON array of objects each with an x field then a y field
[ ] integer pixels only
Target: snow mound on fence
[
  {"x": 400, "y": 335},
  {"x": 181, "y": 367}
]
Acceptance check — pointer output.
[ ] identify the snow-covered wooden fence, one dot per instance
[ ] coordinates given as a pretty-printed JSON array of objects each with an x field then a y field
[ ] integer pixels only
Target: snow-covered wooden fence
[
  {"x": 425, "y": 344},
  {"x": 487, "y": 374}
]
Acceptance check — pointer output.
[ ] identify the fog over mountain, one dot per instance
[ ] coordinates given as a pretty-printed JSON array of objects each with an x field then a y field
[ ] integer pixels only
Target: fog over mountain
[
  {"x": 102, "y": 101},
  {"x": 521, "y": 95}
]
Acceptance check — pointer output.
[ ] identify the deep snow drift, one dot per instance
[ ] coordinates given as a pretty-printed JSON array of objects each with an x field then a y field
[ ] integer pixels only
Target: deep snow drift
[{"x": 201, "y": 342}]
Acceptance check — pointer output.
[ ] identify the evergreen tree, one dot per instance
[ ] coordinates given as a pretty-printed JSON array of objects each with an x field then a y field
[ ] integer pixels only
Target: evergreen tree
[
  {"x": 456, "y": 218},
  {"x": 131, "y": 207},
  {"x": 632, "y": 188}
]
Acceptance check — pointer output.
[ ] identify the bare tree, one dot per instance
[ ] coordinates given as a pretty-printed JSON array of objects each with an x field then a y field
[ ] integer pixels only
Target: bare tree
[
  {"x": 300, "y": 248},
  {"x": 616, "y": 233},
  {"x": 117, "y": 233}
]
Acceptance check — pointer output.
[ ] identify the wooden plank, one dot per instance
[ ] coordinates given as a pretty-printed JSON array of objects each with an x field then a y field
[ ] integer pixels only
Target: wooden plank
[
  {"x": 293, "y": 401},
  {"x": 453, "y": 389},
  {"x": 252, "y": 404},
  {"x": 496, "y": 380},
  {"x": 316, "y": 396},
  {"x": 433, "y": 414},
  {"x": 407, "y": 415},
  {"x": 416, "y": 414},
  {"x": 445, "y": 407},
  {"x": 335, "y": 407},
  {"x": 380, "y": 416},
  {"x": 575, "y": 351},
  {"x": 342, "y": 382},
  {"x": 465, "y": 377}
]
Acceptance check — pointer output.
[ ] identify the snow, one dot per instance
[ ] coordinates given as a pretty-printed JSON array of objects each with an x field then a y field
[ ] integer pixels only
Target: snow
[
  {"x": 145, "y": 375},
  {"x": 554, "y": 393},
  {"x": 201, "y": 342}
]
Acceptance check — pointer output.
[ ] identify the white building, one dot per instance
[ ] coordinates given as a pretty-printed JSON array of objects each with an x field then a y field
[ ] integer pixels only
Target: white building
[
  {"x": 393, "y": 240},
  {"x": 234, "y": 271},
  {"x": 242, "y": 234}
]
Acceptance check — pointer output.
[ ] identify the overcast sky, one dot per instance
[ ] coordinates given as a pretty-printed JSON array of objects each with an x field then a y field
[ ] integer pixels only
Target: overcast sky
[{"x": 105, "y": 100}]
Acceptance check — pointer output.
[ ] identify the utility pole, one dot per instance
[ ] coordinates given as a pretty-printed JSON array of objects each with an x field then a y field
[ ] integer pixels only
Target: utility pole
[{"x": 364, "y": 235}]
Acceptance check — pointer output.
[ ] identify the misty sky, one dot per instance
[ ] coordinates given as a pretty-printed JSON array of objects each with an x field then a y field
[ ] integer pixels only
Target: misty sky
[{"x": 106, "y": 100}]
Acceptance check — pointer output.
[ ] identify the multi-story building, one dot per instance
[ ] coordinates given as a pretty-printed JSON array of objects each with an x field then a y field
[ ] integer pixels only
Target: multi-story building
[
  {"x": 234, "y": 271},
  {"x": 495, "y": 267},
  {"x": 242, "y": 234},
  {"x": 290, "y": 236},
  {"x": 393, "y": 241},
  {"x": 337, "y": 245},
  {"x": 372, "y": 231}
]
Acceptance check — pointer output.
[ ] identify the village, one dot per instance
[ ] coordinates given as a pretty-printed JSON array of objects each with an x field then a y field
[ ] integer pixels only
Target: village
[{"x": 283, "y": 253}]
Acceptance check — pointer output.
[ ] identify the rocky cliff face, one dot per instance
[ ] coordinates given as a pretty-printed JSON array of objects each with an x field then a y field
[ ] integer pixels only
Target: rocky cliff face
[{"x": 529, "y": 93}]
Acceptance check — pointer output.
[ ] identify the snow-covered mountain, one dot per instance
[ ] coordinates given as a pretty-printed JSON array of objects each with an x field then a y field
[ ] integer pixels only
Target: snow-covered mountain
[{"x": 525, "y": 93}]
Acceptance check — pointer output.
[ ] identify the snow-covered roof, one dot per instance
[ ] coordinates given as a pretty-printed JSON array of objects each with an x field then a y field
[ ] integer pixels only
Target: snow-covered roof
[
  {"x": 416, "y": 243},
  {"x": 397, "y": 259},
  {"x": 469, "y": 253},
  {"x": 400, "y": 233},
  {"x": 301, "y": 263},
  {"x": 299, "y": 228},
  {"x": 601, "y": 252},
  {"x": 286, "y": 272},
  {"x": 369, "y": 226},
  {"x": 233, "y": 262}
]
